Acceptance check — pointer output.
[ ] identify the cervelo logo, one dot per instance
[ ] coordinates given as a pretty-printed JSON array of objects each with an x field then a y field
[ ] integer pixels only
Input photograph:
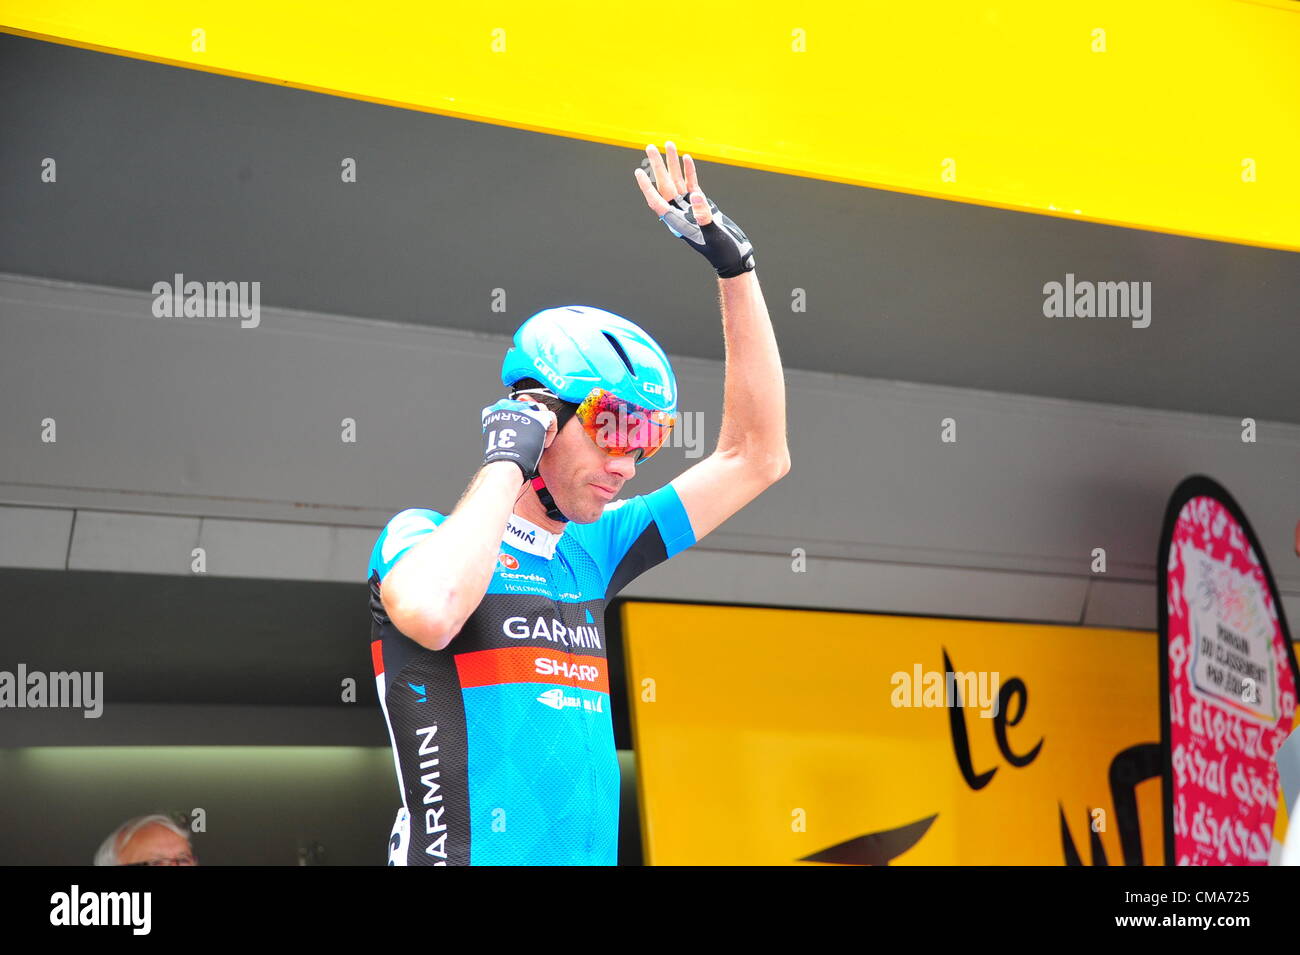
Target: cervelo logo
[
  {"x": 507, "y": 561},
  {"x": 554, "y": 631},
  {"x": 549, "y": 372}
]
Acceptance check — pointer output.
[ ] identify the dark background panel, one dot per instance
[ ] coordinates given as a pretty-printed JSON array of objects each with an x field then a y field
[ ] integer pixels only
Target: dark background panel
[{"x": 164, "y": 170}]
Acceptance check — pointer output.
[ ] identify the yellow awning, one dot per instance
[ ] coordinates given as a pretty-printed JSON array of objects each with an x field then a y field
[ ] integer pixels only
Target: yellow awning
[{"x": 1178, "y": 117}]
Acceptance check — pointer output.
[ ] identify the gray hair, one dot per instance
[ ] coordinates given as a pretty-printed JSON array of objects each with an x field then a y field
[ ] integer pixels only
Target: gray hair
[{"x": 106, "y": 854}]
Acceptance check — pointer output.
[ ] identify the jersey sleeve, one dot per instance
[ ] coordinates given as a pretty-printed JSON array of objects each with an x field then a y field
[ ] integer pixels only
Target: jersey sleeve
[
  {"x": 636, "y": 534},
  {"x": 402, "y": 533}
]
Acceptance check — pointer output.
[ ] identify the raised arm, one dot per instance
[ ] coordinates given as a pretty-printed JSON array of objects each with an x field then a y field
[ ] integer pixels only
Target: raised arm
[
  {"x": 434, "y": 587},
  {"x": 439, "y": 582},
  {"x": 751, "y": 454}
]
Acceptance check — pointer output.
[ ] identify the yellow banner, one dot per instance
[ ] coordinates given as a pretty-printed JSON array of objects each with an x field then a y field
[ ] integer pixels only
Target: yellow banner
[
  {"x": 1179, "y": 117},
  {"x": 780, "y": 736}
]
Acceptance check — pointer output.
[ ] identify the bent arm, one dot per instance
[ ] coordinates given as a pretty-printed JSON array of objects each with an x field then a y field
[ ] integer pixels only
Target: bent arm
[
  {"x": 438, "y": 583},
  {"x": 751, "y": 454}
]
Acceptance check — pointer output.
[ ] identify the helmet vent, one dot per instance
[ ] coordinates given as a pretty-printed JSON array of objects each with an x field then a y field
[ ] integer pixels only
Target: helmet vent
[{"x": 621, "y": 353}]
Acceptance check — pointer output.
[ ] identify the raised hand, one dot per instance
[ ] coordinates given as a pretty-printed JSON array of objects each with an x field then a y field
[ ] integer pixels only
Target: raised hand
[{"x": 675, "y": 197}]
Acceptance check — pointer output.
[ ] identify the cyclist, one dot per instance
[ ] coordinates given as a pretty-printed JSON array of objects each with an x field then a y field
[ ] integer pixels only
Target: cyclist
[{"x": 488, "y": 634}]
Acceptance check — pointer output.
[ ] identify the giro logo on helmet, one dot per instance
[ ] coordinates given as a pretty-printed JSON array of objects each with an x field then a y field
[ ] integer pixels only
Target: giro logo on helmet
[{"x": 549, "y": 372}]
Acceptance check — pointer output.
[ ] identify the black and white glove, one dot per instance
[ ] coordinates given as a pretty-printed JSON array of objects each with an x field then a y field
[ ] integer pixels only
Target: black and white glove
[
  {"x": 722, "y": 242},
  {"x": 516, "y": 431}
]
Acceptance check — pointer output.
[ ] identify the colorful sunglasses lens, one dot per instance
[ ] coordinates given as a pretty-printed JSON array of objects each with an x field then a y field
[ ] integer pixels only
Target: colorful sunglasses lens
[{"x": 619, "y": 427}]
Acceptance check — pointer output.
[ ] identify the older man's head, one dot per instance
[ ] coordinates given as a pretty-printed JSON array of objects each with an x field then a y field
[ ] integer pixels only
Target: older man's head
[{"x": 154, "y": 839}]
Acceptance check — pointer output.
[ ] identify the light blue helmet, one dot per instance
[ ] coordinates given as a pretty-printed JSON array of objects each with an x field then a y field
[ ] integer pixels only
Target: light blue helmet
[{"x": 575, "y": 348}]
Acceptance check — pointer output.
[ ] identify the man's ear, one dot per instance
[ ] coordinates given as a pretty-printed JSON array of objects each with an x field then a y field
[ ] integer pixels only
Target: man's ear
[{"x": 552, "y": 432}]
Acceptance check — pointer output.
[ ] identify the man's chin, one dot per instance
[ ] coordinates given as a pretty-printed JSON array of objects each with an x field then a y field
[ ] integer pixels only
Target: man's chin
[
  {"x": 589, "y": 513},
  {"x": 589, "y": 517}
]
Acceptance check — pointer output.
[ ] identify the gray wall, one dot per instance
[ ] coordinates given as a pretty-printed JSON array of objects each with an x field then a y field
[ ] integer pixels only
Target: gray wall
[{"x": 176, "y": 433}]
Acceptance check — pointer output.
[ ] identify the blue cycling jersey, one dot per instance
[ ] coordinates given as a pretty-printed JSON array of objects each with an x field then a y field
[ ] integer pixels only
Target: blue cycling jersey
[{"x": 503, "y": 741}]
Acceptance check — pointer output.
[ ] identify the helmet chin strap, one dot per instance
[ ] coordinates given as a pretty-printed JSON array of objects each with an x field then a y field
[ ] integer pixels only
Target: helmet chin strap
[
  {"x": 548, "y": 502},
  {"x": 543, "y": 492}
]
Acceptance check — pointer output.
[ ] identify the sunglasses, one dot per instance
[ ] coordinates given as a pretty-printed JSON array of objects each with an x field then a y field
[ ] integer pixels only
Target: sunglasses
[{"x": 620, "y": 427}]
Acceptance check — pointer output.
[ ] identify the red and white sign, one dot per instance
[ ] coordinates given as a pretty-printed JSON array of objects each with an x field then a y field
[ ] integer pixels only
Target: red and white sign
[{"x": 1228, "y": 679}]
